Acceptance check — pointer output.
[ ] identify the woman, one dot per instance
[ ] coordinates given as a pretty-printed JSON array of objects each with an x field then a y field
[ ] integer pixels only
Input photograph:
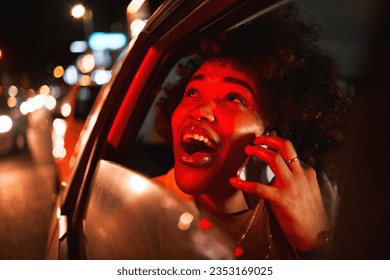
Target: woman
[{"x": 266, "y": 91}]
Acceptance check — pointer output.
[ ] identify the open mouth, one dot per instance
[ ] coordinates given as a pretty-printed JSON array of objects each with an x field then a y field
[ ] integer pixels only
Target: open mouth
[
  {"x": 198, "y": 146},
  {"x": 193, "y": 143}
]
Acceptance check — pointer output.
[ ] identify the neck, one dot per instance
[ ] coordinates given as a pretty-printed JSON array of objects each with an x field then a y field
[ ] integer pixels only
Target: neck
[{"x": 234, "y": 203}]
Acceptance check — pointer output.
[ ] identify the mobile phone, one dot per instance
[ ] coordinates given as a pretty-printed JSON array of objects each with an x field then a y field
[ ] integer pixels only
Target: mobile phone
[{"x": 255, "y": 170}]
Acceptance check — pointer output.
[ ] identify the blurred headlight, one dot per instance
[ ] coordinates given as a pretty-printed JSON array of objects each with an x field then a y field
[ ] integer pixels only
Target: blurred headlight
[
  {"x": 66, "y": 109},
  {"x": 59, "y": 127},
  {"x": 5, "y": 124}
]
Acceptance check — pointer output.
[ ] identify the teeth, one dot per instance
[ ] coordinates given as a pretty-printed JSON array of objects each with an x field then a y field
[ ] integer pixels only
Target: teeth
[{"x": 199, "y": 138}]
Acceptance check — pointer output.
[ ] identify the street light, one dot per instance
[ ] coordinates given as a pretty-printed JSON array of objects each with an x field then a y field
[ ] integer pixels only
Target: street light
[
  {"x": 79, "y": 11},
  {"x": 137, "y": 13}
]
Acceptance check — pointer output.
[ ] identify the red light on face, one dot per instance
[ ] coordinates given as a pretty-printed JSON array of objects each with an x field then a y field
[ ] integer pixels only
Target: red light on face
[{"x": 204, "y": 224}]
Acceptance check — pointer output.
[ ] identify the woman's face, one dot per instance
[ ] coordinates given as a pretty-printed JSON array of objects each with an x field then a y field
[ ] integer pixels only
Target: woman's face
[{"x": 213, "y": 123}]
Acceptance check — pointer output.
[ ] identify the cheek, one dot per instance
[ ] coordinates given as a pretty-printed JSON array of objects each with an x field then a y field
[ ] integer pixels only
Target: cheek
[
  {"x": 254, "y": 126},
  {"x": 178, "y": 116},
  {"x": 245, "y": 124},
  {"x": 181, "y": 113}
]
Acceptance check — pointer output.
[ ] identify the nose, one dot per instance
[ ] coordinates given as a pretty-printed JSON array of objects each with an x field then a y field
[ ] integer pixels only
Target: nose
[{"x": 203, "y": 112}]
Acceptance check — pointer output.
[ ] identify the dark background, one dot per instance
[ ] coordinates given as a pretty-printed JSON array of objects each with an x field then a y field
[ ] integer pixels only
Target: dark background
[{"x": 36, "y": 35}]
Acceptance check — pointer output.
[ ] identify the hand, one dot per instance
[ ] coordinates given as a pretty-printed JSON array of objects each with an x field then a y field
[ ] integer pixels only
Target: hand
[{"x": 293, "y": 195}]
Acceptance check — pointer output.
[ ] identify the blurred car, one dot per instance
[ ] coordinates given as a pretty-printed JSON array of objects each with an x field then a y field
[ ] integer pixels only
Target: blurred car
[
  {"x": 13, "y": 127},
  {"x": 109, "y": 205},
  {"x": 68, "y": 122}
]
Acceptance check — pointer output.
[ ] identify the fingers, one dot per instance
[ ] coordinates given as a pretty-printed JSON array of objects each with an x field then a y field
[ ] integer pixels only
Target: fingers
[
  {"x": 282, "y": 158},
  {"x": 274, "y": 159},
  {"x": 266, "y": 192},
  {"x": 283, "y": 147}
]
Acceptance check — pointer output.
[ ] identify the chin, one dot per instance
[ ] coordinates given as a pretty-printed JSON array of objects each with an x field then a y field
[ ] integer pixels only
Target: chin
[{"x": 192, "y": 180}]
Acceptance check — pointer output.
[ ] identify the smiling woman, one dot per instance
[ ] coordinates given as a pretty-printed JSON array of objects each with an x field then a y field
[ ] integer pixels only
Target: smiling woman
[
  {"x": 222, "y": 112},
  {"x": 266, "y": 76}
]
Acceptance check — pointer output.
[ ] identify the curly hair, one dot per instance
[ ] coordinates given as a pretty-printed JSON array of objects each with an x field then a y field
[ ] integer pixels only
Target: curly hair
[{"x": 302, "y": 101}]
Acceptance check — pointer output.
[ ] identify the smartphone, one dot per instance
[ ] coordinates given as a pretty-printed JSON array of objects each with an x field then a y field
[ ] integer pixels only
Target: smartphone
[{"x": 255, "y": 170}]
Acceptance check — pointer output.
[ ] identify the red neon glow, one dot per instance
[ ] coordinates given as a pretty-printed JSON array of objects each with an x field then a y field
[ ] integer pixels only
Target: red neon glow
[
  {"x": 238, "y": 251},
  {"x": 204, "y": 224}
]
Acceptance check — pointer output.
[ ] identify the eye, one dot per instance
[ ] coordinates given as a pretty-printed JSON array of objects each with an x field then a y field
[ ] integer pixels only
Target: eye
[
  {"x": 191, "y": 92},
  {"x": 235, "y": 98}
]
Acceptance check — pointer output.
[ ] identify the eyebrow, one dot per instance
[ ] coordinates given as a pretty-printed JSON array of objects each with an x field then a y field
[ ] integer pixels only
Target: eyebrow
[
  {"x": 201, "y": 77},
  {"x": 239, "y": 82}
]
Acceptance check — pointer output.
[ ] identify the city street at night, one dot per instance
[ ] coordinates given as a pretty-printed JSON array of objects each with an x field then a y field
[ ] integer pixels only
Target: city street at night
[{"x": 27, "y": 193}]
